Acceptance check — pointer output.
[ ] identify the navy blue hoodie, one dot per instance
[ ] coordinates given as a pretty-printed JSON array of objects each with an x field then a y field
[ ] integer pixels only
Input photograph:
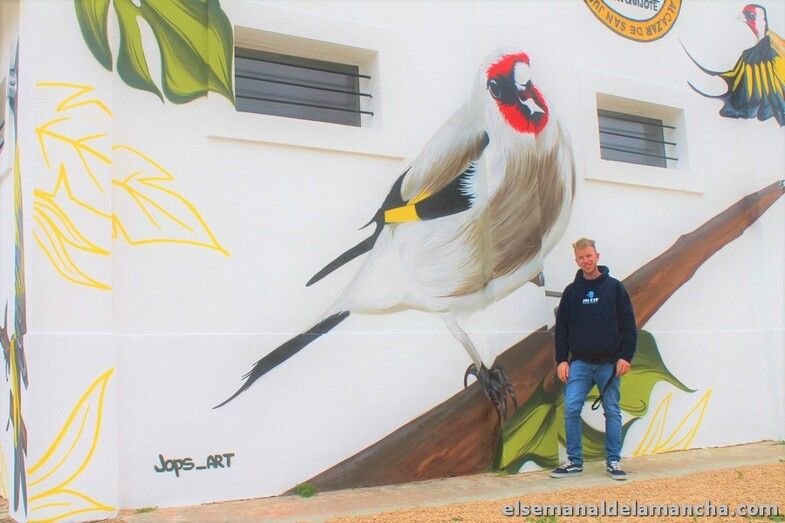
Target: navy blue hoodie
[{"x": 595, "y": 321}]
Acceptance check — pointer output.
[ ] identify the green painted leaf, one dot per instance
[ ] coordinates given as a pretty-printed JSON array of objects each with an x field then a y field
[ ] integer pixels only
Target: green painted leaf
[
  {"x": 131, "y": 62},
  {"x": 220, "y": 49},
  {"x": 531, "y": 433},
  {"x": 647, "y": 370},
  {"x": 535, "y": 431},
  {"x": 180, "y": 29},
  {"x": 537, "y": 427},
  {"x": 92, "y": 17},
  {"x": 194, "y": 37}
]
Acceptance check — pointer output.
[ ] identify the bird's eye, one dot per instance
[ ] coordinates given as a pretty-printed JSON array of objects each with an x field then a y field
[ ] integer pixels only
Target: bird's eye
[{"x": 495, "y": 89}]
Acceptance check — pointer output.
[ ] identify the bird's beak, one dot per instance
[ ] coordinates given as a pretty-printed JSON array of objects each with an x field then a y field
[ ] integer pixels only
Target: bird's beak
[
  {"x": 525, "y": 98},
  {"x": 532, "y": 106}
]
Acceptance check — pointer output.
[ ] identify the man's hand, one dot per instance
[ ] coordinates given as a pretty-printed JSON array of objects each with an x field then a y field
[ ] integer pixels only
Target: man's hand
[
  {"x": 563, "y": 371},
  {"x": 622, "y": 367}
]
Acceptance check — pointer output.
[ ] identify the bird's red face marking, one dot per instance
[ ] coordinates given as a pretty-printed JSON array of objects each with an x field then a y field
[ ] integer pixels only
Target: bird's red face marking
[
  {"x": 755, "y": 17},
  {"x": 521, "y": 104},
  {"x": 505, "y": 65}
]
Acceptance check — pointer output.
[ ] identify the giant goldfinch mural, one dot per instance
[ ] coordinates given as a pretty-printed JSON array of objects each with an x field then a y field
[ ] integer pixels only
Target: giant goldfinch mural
[{"x": 467, "y": 223}]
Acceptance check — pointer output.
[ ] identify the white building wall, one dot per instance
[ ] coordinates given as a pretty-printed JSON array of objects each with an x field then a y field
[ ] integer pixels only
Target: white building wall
[{"x": 182, "y": 322}]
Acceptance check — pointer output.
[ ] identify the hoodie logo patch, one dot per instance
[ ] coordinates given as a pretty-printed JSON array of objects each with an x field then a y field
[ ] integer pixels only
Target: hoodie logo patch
[{"x": 590, "y": 298}]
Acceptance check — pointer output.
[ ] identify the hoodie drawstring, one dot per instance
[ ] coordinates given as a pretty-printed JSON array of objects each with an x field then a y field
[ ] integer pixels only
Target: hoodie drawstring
[{"x": 596, "y": 404}]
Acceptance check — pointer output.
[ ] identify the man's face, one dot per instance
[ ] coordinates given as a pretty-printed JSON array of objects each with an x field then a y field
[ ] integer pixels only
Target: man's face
[{"x": 587, "y": 259}]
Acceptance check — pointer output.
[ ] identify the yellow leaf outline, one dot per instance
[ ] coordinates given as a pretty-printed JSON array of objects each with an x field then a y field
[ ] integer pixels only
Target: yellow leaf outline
[
  {"x": 74, "y": 431},
  {"x": 653, "y": 441},
  {"x": 73, "y": 503},
  {"x": 146, "y": 204},
  {"x": 70, "y": 102},
  {"x": 79, "y": 145},
  {"x": 57, "y": 234},
  {"x": 63, "y": 183}
]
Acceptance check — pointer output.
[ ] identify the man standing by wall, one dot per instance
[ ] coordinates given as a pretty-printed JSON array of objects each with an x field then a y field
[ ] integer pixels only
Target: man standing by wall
[{"x": 595, "y": 342}]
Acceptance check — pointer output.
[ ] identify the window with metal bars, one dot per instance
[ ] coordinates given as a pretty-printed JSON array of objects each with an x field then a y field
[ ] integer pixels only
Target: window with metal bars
[
  {"x": 295, "y": 87},
  {"x": 635, "y": 139}
]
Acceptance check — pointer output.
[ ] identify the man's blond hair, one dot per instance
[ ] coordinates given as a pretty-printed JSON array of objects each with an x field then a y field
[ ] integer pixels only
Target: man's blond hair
[{"x": 582, "y": 243}]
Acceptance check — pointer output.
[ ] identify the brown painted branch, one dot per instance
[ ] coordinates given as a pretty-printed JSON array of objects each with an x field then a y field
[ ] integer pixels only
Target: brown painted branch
[
  {"x": 460, "y": 436},
  {"x": 654, "y": 283}
]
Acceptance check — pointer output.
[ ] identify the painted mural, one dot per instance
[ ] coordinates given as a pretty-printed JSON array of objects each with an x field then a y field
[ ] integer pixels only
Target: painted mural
[
  {"x": 537, "y": 429},
  {"x": 194, "y": 38},
  {"x": 146, "y": 209},
  {"x": 467, "y": 223},
  {"x": 156, "y": 213},
  {"x": 54, "y": 476},
  {"x": 756, "y": 83},
  {"x": 455, "y": 438},
  {"x": 12, "y": 337}
]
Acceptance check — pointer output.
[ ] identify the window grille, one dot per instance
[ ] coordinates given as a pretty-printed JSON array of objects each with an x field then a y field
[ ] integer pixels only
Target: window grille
[
  {"x": 295, "y": 87},
  {"x": 635, "y": 139}
]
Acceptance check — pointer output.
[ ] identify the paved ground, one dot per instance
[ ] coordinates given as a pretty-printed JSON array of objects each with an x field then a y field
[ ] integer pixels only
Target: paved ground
[{"x": 354, "y": 502}]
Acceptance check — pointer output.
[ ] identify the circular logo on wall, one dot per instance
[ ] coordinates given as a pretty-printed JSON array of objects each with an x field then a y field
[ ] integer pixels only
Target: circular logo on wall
[{"x": 641, "y": 20}]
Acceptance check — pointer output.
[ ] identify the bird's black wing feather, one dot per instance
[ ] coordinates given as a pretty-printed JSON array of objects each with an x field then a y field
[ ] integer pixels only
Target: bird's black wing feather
[
  {"x": 453, "y": 198},
  {"x": 457, "y": 196},
  {"x": 393, "y": 199}
]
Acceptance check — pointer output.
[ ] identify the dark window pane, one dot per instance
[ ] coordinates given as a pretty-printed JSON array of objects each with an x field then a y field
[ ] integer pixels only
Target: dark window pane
[
  {"x": 281, "y": 85},
  {"x": 632, "y": 139}
]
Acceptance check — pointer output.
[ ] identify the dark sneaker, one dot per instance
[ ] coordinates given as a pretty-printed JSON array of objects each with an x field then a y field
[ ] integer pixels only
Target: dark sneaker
[
  {"x": 615, "y": 471},
  {"x": 568, "y": 468}
]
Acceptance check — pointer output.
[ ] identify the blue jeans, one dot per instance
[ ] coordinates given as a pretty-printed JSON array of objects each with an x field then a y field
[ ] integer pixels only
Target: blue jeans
[{"x": 582, "y": 376}]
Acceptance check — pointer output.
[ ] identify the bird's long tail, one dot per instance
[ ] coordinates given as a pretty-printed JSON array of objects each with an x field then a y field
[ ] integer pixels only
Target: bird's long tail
[
  {"x": 286, "y": 351},
  {"x": 709, "y": 72}
]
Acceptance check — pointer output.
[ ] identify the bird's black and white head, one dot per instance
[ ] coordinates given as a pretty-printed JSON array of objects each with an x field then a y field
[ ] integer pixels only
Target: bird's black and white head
[
  {"x": 508, "y": 82},
  {"x": 754, "y": 16}
]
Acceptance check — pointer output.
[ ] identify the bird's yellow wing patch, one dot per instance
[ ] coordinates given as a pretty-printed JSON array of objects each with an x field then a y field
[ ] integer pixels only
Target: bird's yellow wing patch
[{"x": 405, "y": 213}]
